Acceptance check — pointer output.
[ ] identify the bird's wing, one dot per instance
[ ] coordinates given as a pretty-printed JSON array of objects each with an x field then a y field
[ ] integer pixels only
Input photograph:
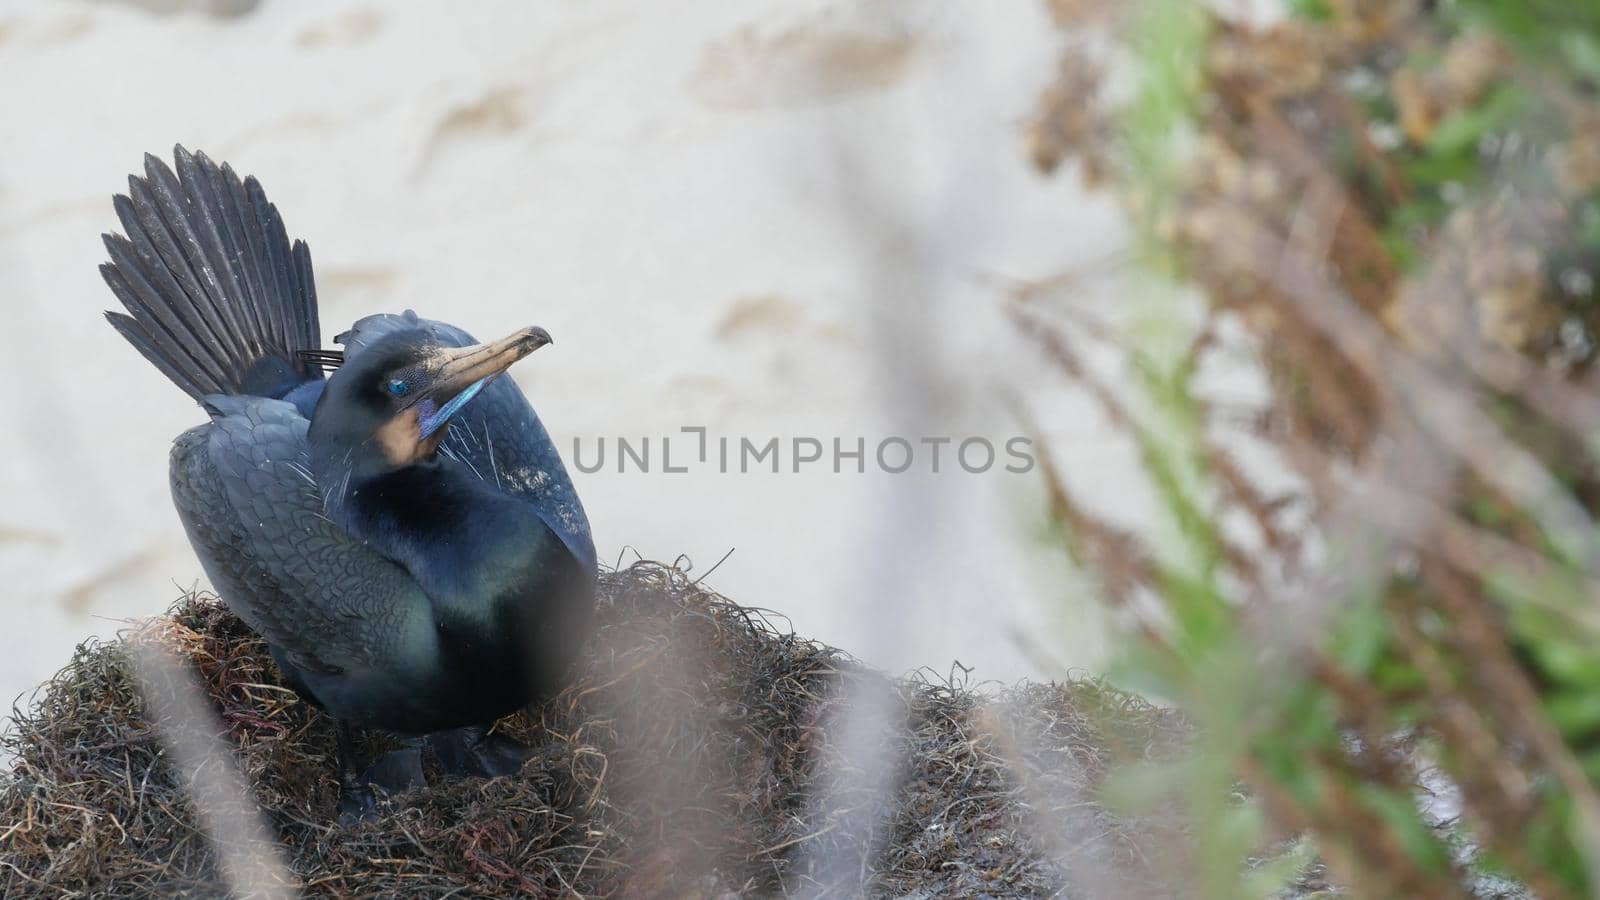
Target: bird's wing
[
  {"x": 500, "y": 438},
  {"x": 243, "y": 486}
]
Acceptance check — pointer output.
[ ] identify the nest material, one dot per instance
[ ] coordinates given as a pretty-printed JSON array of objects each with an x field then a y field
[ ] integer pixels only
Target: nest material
[{"x": 701, "y": 751}]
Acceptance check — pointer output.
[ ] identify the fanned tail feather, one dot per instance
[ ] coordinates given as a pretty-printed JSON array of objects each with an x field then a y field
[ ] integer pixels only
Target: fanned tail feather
[{"x": 216, "y": 296}]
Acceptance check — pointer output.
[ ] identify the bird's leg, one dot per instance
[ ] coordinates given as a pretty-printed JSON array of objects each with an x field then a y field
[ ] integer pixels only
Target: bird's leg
[
  {"x": 392, "y": 773},
  {"x": 474, "y": 750},
  {"x": 355, "y": 797},
  {"x": 397, "y": 771}
]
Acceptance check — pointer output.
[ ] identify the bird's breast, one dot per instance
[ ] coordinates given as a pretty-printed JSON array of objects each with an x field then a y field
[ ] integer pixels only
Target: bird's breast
[{"x": 513, "y": 649}]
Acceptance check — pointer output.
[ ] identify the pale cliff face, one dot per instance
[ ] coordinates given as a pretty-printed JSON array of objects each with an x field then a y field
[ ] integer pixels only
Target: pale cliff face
[{"x": 764, "y": 219}]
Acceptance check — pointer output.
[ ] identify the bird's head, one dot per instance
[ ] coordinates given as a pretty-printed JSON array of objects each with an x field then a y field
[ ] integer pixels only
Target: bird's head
[{"x": 388, "y": 406}]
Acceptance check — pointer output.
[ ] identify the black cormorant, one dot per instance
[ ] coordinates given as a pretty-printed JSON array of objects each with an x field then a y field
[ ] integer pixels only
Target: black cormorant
[{"x": 402, "y": 532}]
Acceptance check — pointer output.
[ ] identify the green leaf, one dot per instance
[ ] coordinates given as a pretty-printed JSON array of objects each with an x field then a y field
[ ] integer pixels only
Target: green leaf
[{"x": 1462, "y": 131}]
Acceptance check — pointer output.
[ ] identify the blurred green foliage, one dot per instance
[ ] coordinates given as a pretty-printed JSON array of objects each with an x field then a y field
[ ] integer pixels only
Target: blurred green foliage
[{"x": 1410, "y": 672}]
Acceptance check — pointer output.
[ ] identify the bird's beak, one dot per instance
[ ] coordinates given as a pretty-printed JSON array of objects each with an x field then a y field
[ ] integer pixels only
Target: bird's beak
[{"x": 459, "y": 373}]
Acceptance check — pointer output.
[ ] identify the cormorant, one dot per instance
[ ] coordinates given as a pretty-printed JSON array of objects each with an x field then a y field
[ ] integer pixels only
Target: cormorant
[{"x": 401, "y": 532}]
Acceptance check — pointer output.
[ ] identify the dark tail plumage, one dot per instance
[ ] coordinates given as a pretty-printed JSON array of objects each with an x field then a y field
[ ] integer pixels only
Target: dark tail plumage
[{"x": 216, "y": 296}]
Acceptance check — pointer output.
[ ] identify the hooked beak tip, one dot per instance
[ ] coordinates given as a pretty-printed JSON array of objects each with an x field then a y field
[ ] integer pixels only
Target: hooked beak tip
[{"x": 537, "y": 337}]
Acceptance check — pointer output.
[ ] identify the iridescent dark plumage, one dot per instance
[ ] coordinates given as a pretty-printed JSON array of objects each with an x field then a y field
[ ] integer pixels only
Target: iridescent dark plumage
[{"x": 402, "y": 531}]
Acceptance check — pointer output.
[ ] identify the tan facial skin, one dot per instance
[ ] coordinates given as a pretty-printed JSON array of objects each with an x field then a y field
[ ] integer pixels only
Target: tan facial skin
[{"x": 452, "y": 370}]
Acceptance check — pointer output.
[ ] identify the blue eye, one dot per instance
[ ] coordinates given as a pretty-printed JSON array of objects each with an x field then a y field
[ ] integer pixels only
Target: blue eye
[{"x": 398, "y": 387}]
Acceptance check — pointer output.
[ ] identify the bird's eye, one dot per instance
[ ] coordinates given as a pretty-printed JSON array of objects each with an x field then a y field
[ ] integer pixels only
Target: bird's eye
[{"x": 398, "y": 387}]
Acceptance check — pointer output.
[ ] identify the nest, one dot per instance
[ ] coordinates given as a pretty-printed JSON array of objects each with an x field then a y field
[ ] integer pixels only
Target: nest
[{"x": 702, "y": 750}]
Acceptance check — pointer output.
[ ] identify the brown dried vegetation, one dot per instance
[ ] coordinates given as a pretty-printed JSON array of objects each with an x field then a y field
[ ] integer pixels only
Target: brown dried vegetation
[{"x": 683, "y": 762}]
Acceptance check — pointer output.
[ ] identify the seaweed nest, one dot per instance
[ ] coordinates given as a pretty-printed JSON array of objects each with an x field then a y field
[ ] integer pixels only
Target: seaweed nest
[{"x": 701, "y": 751}]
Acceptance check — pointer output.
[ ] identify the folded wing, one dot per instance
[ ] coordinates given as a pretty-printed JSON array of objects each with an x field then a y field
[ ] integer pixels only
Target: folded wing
[{"x": 325, "y": 601}]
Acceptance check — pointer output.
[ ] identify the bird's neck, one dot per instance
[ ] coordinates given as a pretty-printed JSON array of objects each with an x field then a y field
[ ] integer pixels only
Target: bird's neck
[{"x": 465, "y": 542}]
